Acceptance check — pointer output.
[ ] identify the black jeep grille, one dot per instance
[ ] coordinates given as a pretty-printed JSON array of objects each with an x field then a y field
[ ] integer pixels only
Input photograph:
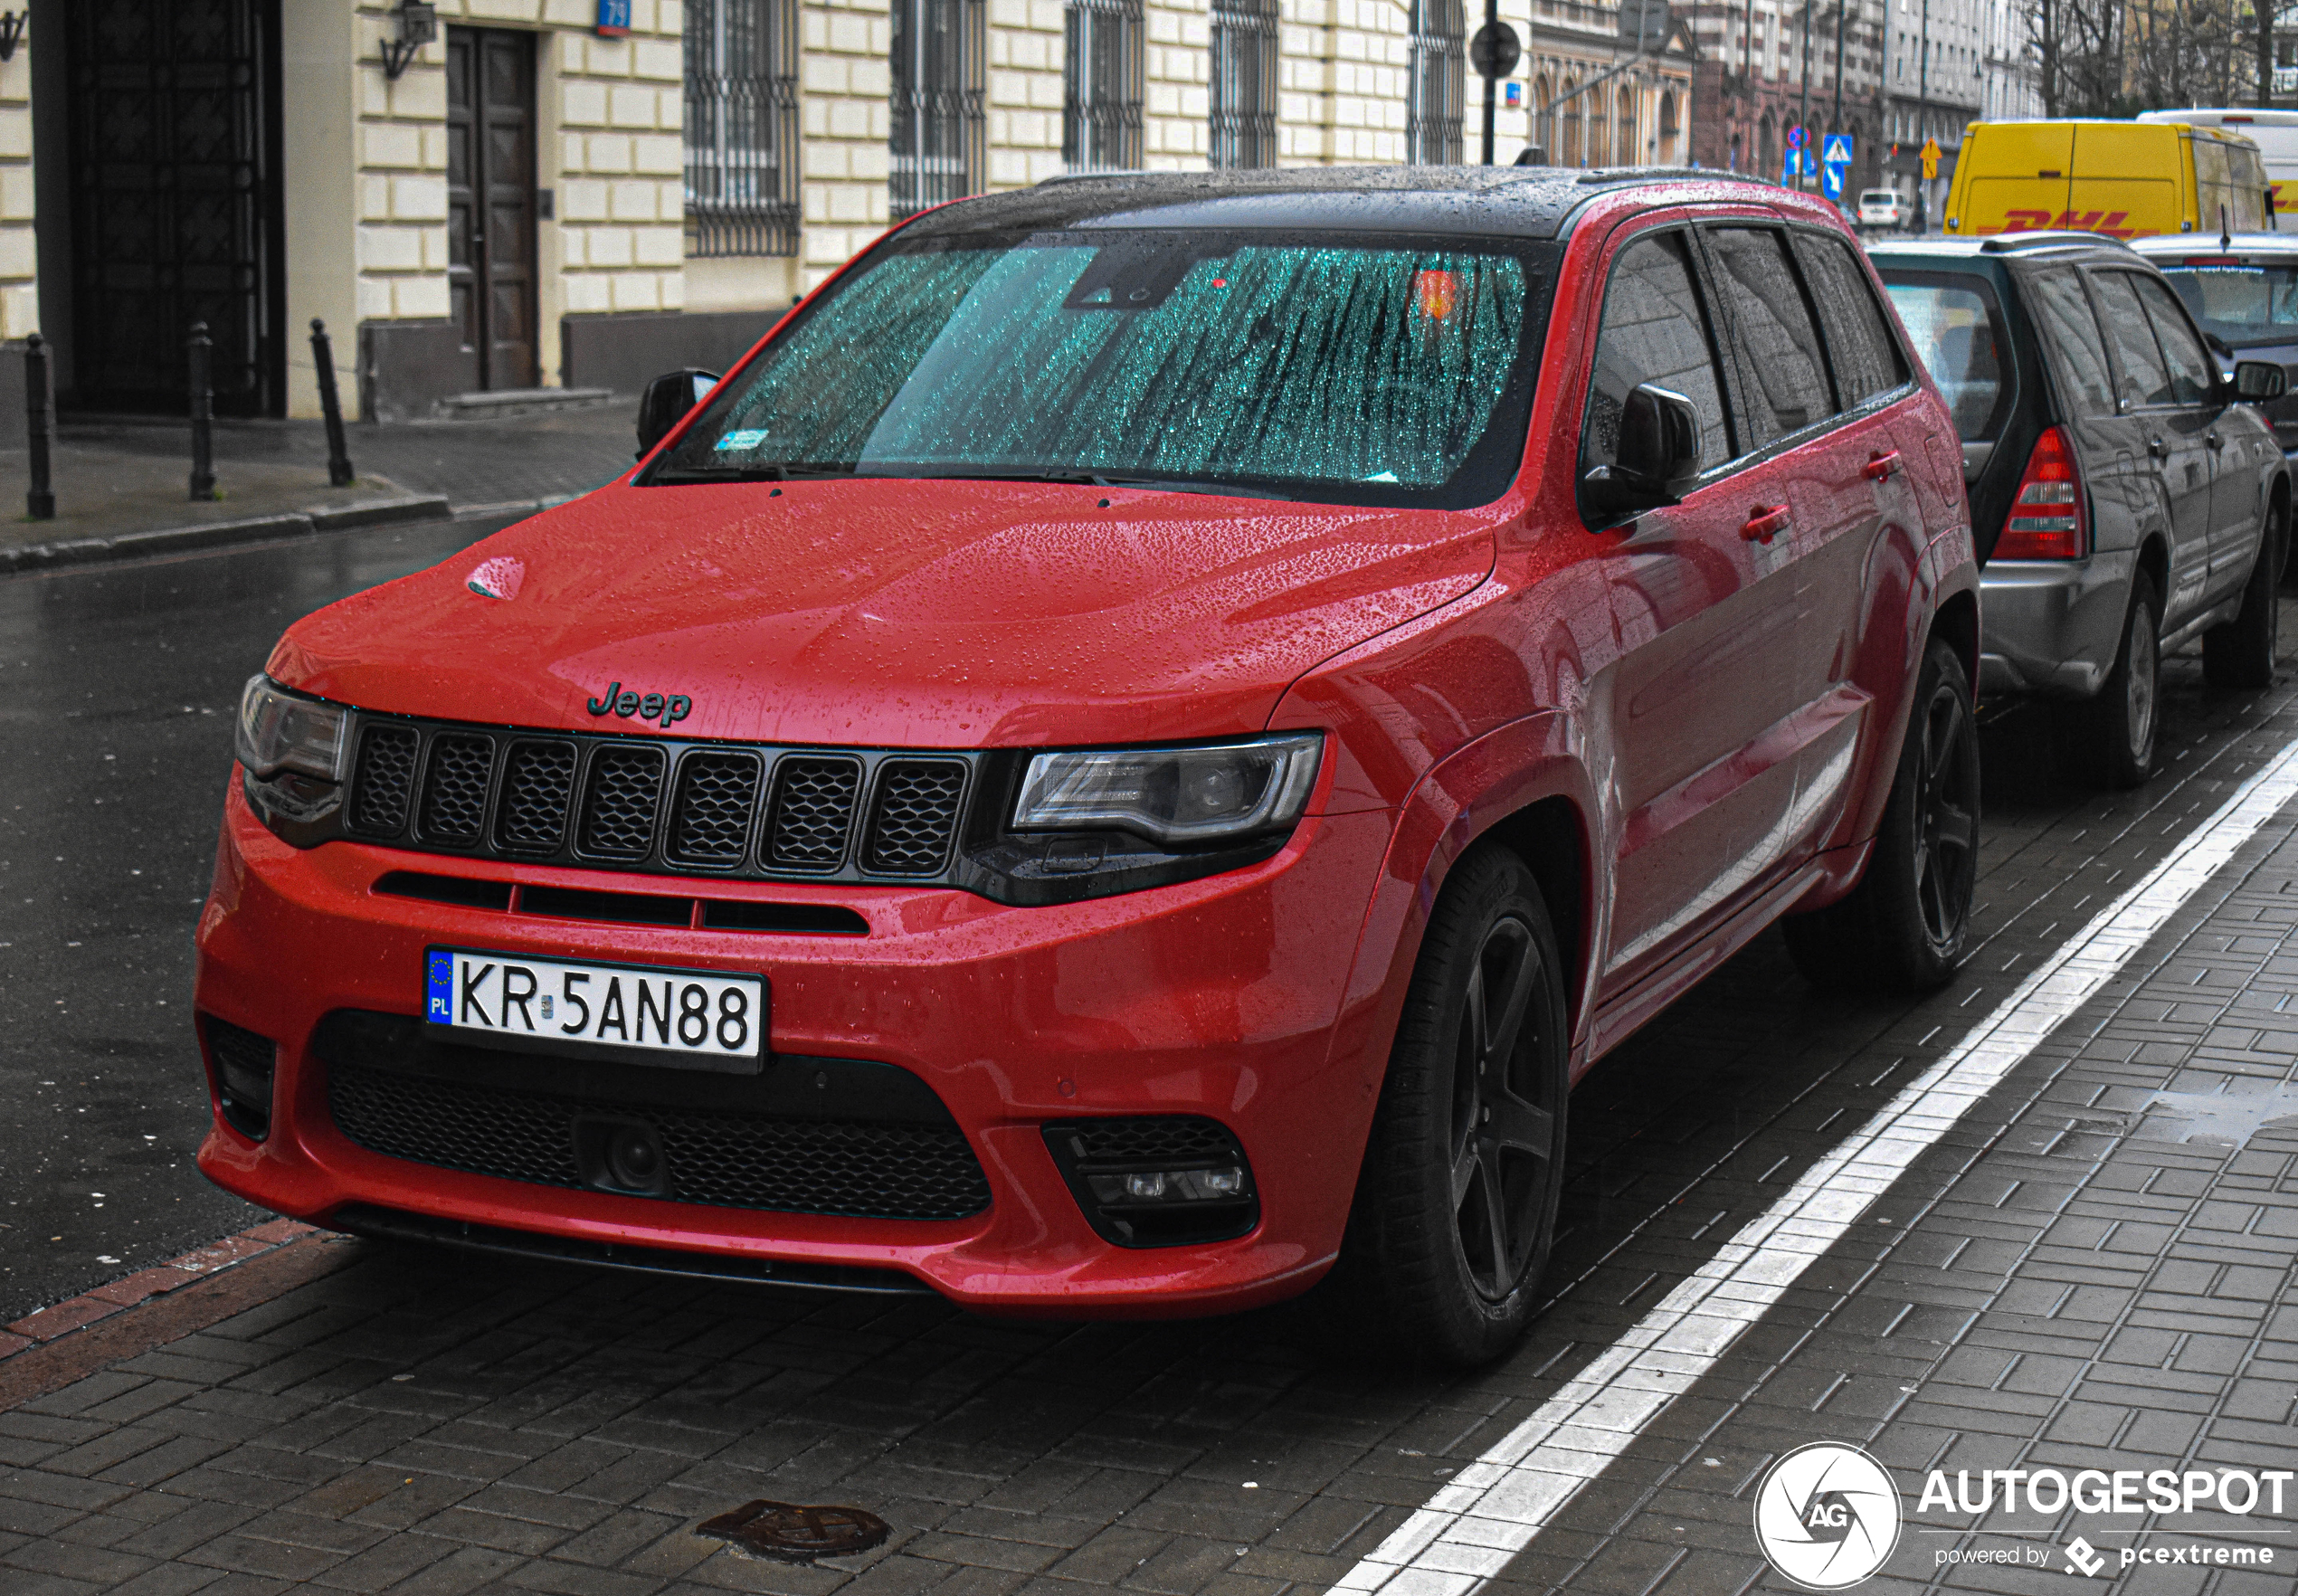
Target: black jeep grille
[
  {"x": 710, "y": 825},
  {"x": 916, "y": 815},
  {"x": 385, "y": 778},
  {"x": 454, "y": 791},
  {"x": 539, "y": 780},
  {"x": 813, "y": 812},
  {"x": 657, "y": 804},
  {"x": 861, "y": 1170}
]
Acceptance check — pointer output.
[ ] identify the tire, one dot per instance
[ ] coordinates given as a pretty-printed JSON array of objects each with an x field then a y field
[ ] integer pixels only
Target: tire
[
  {"x": 2241, "y": 653},
  {"x": 1906, "y": 926},
  {"x": 1456, "y": 1206},
  {"x": 2115, "y": 733}
]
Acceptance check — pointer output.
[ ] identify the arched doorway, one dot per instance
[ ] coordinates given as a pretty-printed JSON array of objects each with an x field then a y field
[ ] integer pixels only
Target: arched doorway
[
  {"x": 1599, "y": 129},
  {"x": 1767, "y": 149},
  {"x": 1544, "y": 118},
  {"x": 1667, "y": 152},
  {"x": 1571, "y": 153},
  {"x": 1624, "y": 150}
]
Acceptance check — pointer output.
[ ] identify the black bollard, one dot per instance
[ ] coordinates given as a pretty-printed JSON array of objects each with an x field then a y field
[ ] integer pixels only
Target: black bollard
[
  {"x": 203, "y": 417},
  {"x": 40, "y": 424},
  {"x": 331, "y": 406}
]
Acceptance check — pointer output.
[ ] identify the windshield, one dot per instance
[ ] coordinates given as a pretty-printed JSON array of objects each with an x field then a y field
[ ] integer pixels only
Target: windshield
[
  {"x": 1372, "y": 373},
  {"x": 2241, "y": 304},
  {"x": 1954, "y": 332}
]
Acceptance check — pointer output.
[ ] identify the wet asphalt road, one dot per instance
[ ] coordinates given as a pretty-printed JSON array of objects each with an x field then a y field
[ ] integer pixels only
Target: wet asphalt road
[{"x": 117, "y": 691}]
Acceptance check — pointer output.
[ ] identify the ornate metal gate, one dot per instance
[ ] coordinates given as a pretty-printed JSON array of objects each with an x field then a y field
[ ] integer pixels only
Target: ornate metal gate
[{"x": 174, "y": 113}]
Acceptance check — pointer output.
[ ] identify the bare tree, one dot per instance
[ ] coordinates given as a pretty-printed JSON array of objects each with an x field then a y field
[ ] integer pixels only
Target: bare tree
[{"x": 2078, "y": 56}]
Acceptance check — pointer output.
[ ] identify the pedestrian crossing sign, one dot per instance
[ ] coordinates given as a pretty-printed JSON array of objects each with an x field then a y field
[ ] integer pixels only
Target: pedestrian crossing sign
[{"x": 1836, "y": 150}]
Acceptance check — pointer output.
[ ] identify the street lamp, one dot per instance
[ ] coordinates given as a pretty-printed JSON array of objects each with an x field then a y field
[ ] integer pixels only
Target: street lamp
[{"x": 418, "y": 26}]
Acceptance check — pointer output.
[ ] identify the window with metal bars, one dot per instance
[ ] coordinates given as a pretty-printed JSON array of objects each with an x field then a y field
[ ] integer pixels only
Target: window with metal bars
[
  {"x": 1244, "y": 83},
  {"x": 741, "y": 128},
  {"x": 1437, "y": 94},
  {"x": 1101, "y": 85},
  {"x": 939, "y": 74}
]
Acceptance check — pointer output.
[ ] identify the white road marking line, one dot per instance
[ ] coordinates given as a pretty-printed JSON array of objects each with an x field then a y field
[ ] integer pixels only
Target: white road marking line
[{"x": 1492, "y": 1509}]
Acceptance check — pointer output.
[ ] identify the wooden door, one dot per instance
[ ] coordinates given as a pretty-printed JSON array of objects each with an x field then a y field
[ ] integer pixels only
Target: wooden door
[{"x": 490, "y": 201}]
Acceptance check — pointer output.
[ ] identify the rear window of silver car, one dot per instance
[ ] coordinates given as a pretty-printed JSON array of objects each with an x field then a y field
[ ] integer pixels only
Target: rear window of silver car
[{"x": 1956, "y": 339}]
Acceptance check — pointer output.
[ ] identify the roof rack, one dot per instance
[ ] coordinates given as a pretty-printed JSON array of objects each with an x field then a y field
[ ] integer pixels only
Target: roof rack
[
  {"x": 1646, "y": 174},
  {"x": 2058, "y": 238}
]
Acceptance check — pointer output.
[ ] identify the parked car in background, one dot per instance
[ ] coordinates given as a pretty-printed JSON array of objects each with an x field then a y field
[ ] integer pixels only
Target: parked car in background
[
  {"x": 2274, "y": 132},
  {"x": 2243, "y": 292},
  {"x": 2124, "y": 497},
  {"x": 1124, "y": 758},
  {"x": 2117, "y": 180},
  {"x": 1884, "y": 208}
]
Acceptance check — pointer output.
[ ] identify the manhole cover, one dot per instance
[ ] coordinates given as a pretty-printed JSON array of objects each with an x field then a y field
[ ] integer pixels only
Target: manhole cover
[{"x": 797, "y": 1534}]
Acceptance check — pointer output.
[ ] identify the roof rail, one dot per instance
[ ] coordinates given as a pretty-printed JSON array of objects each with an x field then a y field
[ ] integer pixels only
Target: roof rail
[{"x": 2056, "y": 238}]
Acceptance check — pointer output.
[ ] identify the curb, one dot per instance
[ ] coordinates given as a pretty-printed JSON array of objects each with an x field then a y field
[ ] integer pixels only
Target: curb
[
  {"x": 129, "y": 545},
  {"x": 49, "y": 1349}
]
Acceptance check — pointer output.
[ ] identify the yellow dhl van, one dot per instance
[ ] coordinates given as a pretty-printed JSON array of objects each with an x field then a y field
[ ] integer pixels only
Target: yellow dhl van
[{"x": 2123, "y": 179}]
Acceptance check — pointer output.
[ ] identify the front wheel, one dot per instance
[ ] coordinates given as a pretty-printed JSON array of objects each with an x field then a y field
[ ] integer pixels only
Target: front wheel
[
  {"x": 1905, "y": 926},
  {"x": 1455, "y": 1208},
  {"x": 2241, "y": 653}
]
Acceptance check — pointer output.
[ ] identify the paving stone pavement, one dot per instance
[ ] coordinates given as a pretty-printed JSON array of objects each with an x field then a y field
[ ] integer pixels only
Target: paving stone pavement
[{"x": 2060, "y": 1280}]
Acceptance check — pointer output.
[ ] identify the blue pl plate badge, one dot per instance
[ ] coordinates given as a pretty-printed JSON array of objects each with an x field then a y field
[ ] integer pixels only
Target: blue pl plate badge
[{"x": 440, "y": 988}]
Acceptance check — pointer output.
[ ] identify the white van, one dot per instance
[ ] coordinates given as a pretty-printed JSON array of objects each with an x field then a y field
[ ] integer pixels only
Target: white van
[{"x": 2274, "y": 132}]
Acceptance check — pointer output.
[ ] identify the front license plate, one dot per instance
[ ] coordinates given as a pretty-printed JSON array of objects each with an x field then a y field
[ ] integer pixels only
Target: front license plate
[{"x": 687, "y": 1019}]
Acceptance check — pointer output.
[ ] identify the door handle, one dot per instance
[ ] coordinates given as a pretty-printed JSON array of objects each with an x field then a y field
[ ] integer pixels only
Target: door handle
[
  {"x": 2213, "y": 440},
  {"x": 2154, "y": 445},
  {"x": 1879, "y": 467},
  {"x": 1765, "y": 522}
]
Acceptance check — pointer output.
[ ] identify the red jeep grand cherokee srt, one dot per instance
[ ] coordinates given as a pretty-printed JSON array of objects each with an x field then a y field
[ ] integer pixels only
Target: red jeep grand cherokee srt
[{"x": 1125, "y": 758}]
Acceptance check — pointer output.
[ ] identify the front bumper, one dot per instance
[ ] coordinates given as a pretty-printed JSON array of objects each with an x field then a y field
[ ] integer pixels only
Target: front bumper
[
  {"x": 2052, "y": 627},
  {"x": 1213, "y": 998}
]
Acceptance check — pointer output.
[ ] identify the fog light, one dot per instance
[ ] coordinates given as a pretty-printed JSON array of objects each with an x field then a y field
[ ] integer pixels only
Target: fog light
[
  {"x": 1157, "y": 1181},
  {"x": 243, "y": 1066},
  {"x": 1144, "y": 1185}
]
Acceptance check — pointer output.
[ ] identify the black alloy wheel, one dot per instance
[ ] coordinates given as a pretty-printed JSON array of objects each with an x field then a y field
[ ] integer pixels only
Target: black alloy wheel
[
  {"x": 1946, "y": 815},
  {"x": 1906, "y": 926},
  {"x": 1501, "y": 1137},
  {"x": 1456, "y": 1205}
]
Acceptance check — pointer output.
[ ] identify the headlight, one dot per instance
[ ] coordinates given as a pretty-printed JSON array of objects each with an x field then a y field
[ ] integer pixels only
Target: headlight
[
  {"x": 283, "y": 731},
  {"x": 1219, "y": 793}
]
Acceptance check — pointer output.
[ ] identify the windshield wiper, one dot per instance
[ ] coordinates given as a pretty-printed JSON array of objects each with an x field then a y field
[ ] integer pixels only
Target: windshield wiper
[{"x": 783, "y": 471}]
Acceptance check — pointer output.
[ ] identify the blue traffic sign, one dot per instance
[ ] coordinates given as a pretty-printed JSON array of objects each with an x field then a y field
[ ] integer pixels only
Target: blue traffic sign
[
  {"x": 1831, "y": 177},
  {"x": 1836, "y": 150},
  {"x": 1798, "y": 138}
]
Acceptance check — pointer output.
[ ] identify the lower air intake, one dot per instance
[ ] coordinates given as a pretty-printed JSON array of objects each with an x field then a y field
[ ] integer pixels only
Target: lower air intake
[{"x": 717, "y": 1157}]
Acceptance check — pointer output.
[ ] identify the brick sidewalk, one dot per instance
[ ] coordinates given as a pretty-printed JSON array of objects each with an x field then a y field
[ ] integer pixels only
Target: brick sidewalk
[{"x": 2058, "y": 1279}]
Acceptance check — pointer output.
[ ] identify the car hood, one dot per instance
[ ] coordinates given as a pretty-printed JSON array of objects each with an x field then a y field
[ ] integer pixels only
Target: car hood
[{"x": 892, "y": 613}]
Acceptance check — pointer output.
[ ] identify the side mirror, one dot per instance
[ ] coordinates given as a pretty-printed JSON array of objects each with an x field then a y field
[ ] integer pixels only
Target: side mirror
[
  {"x": 1658, "y": 456},
  {"x": 2256, "y": 380},
  {"x": 666, "y": 400}
]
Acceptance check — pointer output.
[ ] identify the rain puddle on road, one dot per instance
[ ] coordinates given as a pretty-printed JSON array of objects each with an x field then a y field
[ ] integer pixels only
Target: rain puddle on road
[{"x": 2231, "y": 1117}]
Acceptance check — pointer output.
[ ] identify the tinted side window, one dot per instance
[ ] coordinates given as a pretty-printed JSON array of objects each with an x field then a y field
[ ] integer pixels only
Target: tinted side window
[
  {"x": 2145, "y": 380},
  {"x": 2062, "y": 312},
  {"x": 1782, "y": 388},
  {"x": 1866, "y": 357},
  {"x": 2192, "y": 377},
  {"x": 1655, "y": 330}
]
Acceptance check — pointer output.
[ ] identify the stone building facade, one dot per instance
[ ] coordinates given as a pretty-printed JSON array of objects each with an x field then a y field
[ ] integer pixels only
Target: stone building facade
[
  {"x": 503, "y": 196},
  {"x": 1767, "y": 66}
]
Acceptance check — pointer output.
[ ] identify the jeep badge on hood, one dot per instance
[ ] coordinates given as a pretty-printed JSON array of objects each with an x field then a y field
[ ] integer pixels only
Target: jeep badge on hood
[{"x": 669, "y": 708}]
